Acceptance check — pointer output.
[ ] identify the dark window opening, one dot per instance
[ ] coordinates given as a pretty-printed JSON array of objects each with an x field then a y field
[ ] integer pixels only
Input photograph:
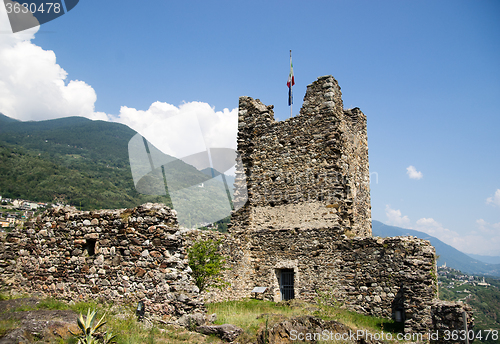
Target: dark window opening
[
  {"x": 90, "y": 246},
  {"x": 287, "y": 284},
  {"x": 398, "y": 306}
]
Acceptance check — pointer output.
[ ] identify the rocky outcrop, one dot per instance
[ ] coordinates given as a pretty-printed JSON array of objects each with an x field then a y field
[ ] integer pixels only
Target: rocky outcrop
[
  {"x": 34, "y": 325},
  {"x": 225, "y": 332},
  {"x": 311, "y": 329}
]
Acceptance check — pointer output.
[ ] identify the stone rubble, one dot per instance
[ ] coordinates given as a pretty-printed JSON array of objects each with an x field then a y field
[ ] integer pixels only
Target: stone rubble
[
  {"x": 448, "y": 316},
  {"x": 226, "y": 332}
]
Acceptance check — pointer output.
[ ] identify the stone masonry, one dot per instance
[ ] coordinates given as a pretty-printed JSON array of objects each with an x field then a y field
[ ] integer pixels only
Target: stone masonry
[
  {"x": 308, "y": 216},
  {"x": 304, "y": 232},
  {"x": 309, "y": 171},
  {"x": 118, "y": 255},
  {"x": 373, "y": 276}
]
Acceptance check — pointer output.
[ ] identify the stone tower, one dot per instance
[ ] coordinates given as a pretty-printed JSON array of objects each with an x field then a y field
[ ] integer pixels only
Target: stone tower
[{"x": 309, "y": 171}]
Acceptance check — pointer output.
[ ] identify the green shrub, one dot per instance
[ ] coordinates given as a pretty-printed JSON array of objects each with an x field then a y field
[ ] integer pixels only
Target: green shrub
[{"x": 207, "y": 264}]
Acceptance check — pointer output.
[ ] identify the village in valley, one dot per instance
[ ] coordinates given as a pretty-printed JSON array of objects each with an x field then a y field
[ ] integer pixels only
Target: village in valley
[
  {"x": 14, "y": 212},
  {"x": 460, "y": 286}
]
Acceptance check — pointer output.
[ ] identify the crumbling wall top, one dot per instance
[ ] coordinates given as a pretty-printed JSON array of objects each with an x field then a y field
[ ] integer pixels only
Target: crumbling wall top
[{"x": 307, "y": 171}]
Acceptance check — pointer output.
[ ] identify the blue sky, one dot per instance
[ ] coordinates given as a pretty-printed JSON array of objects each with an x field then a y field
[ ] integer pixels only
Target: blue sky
[{"x": 426, "y": 74}]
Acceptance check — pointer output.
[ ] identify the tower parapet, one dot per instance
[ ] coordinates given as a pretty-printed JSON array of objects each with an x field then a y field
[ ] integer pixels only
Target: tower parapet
[{"x": 309, "y": 171}]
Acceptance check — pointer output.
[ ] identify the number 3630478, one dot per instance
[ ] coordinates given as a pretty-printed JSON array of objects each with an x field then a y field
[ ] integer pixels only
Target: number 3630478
[
  {"x": 44, "y": 7},
  {"x": 471, "y": 335}
]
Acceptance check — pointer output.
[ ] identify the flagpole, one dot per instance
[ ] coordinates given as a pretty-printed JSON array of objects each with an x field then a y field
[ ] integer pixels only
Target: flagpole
[{"x": 291, "y": 84}]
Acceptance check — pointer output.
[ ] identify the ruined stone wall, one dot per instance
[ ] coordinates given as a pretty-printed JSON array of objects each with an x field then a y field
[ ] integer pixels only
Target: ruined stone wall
[
  {"x": 373, "y": 276},
  {"x": 308, "y": 212},
  {"x": 140, "y": 254},
  {"x": 119, "y": 255},
  {"x": 307, "y": 180},
  {"x": 309, "y": 171},
  {"x": 448, "y": 319}
]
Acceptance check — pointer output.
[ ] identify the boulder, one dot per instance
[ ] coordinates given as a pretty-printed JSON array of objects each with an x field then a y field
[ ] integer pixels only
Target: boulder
[
  {"x": 192, "y": 320},
  {"x": 308, "y": 328},
  {"x": 225, "y": 332}
]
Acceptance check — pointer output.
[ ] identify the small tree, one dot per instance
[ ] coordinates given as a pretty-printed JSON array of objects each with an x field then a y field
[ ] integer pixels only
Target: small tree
[{"x": 207, "y": 264}]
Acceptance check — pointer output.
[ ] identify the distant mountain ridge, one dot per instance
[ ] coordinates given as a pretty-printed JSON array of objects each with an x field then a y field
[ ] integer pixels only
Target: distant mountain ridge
[
  {"x": 73, "y": 160},
  {"x": 447, "y": 254},
  {"x": 86, "y": 163},
  {"x": 485, "y": 259},
  {"x": 5, "y": 119}
]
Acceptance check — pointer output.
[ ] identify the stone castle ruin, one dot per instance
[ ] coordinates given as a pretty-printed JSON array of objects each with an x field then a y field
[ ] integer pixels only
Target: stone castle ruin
[
  {"x": 310, "y": 171},
  {"x": 303, "y": 232},
  {"x": 305, "y": 229}
]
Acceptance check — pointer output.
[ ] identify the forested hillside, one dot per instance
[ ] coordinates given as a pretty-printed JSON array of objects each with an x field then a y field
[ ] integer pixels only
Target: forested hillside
[
  {"x": 483, "y": 297},
  {"x": 73, "y": 160},
  {"x": 85, "y": 163}
]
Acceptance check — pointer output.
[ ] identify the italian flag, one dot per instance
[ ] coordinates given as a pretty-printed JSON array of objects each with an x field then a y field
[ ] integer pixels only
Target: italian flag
[{"x": 290, "y": 82}]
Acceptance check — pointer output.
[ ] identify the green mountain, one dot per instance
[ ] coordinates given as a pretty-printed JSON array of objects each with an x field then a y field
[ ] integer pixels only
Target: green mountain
[
  {"x": 72, "y": 160},
  {"x": 97, "y": 141},
  {"x": 484, "y": 298},
  {"x": 447, "y": 254},
  {"x": 86, "y": 163},
  {"x": 5, "y": 119}
]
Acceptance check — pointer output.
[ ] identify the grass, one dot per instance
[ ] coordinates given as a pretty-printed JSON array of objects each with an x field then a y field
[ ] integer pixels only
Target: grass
[
  {"x": 7, "y": 325},
  {"x": 11, "y": 296},
  {"x": 358, "y": 321},
  {"x": 120, "y": 319},
  {"x": 250, "y": 314}
]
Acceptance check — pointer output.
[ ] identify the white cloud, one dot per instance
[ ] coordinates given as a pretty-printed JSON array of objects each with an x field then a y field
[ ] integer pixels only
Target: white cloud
[
  {"x": 485, "y": 241},
  {"x": 413, "y": 173},
  {"x": 184, "y": 130},
  {"x": 33, "y": 86},
  {"x": 495, "y": 200},
  {"x": 434, "y": 228},
  {"x": 487, "y": 228},
  {"x": 395, "y": 218}
]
